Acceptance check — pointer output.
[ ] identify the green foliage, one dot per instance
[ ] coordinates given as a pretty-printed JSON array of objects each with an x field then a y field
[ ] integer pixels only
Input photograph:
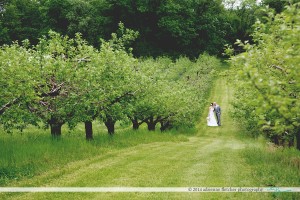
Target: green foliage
[
  {"x": 192, "y": 27},
  {"x": 171, "y": 28},
  {"x": 65, "y": 80},
  {"x": 68, "y": 81},
  {"x": 173, "y": 93},
  {"x": 22, "y": 19},
  {"x": 125, "y": 38},
  {"x": 88, "y": 18},
  {"x": 278, "y": 5},
  {"x": 63, "y": 63},
  {"x": 17, "y": 83},
  {"x": 241, "y": 18},
  {"x": 269, "y": 73}
]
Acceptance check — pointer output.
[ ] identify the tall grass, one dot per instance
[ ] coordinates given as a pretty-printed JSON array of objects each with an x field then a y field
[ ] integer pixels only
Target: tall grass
[
  {"x": 274, "y": 166},
  {"x": 35, "y": 151}
]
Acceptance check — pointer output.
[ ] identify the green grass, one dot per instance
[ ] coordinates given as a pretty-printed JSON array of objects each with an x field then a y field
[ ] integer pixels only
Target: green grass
[
  {"x": 34, "y": 151},
  {"x": 285, "y": 172},
  {"x": 274, "y": 167},
  {"x": 212, "y": 157}
]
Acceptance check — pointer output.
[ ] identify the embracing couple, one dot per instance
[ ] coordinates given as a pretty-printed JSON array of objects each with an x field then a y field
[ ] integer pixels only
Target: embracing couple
[{"x": 214, "y": 115}]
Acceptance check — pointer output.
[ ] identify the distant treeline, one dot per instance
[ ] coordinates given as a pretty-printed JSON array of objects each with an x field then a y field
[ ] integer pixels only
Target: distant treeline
[{"x": 166, "y": 27}]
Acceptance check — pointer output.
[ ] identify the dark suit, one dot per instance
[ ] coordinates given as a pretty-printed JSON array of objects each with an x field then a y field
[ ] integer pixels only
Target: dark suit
[{"x": 218, "y": 114}]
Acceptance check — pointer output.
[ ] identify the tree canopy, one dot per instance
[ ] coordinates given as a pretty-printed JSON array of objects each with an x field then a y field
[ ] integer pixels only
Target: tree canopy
[
  {"x": 63, "y": 80},
  {"x": 171, "y": 28},
  {"x": 269, "y": 77}
]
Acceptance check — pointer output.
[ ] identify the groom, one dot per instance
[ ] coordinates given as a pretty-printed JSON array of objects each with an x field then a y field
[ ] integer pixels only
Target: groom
[{"x": 217, "y": 110}]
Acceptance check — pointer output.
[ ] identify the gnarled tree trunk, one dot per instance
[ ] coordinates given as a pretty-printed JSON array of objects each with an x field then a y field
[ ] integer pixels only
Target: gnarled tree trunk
[
  {"x": 55, "y": 126},
  {"x": 151, "y": 124},
  {"x": 165, "y": 125},
  {"x": 110, "y": 125},
  {"x": 135, "y": 123},
  {"x": 88, "y": 130}
]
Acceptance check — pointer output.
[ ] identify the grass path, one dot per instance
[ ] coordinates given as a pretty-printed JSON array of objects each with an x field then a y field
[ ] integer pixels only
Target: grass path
[{"x": 212, "y": 159}]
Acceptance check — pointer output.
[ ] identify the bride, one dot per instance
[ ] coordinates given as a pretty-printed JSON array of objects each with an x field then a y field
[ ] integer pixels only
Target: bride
[{"x": 211, "y": 119}]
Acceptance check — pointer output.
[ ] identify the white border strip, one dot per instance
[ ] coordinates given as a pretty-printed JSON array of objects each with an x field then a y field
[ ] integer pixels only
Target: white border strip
[{"x": 149, "y": 189}]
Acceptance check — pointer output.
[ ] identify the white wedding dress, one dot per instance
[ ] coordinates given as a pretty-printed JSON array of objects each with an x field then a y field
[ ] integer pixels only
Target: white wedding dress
[{"x": 211, "y": 119}]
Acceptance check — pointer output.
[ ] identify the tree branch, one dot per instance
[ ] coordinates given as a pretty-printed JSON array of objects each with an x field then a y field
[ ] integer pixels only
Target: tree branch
[
  {"x": 55, "y": 90},
  {"x": 8, "y": 105},
  {"x": 118, "y": 99},
  {"x": 278, "y": 67},
  {"x": 79, "y": 60}
]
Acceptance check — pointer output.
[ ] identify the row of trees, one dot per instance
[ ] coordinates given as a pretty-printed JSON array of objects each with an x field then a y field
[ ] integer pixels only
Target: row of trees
[
  {"x": 174, "y": 28},
  {"x": 66, "y": 81},
  {"x": 268, "y": 88}
]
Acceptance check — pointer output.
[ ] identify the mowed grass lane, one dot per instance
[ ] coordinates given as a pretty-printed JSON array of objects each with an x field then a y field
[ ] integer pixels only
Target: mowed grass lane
[{"x": 210, "y": 159}]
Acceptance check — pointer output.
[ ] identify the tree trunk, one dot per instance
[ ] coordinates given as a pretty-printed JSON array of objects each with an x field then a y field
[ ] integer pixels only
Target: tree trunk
[
  {"x": 291, "y": 142},
  {"x": 281, "y": 140},
  {"x": 55, "y": 126},
  {"x": 151, "y": 124},
  {"x": 110, "y": 125},
  {"x": 165, "y": 126},
  {"x": 135, "y": 124},
  {"x": 88, "y": 130},
  {"x": 56, "y": 129},
  {"x": 298, "y": 140},
  {"x": 276, "y": 139}
]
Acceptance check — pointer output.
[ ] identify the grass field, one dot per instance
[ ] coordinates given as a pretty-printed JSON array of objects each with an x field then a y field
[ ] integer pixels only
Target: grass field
[{"x": 208, "y": 157}]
